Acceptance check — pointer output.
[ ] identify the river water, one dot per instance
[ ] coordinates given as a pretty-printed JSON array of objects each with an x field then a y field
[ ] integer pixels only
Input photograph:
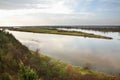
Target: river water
[{"x": 103, "y": 55}]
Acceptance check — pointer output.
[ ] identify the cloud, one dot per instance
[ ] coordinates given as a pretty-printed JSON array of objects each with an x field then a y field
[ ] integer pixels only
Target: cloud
[
  {"x": 44, "y": 6},
  {"x": 113, "y": 1},
  {"x": 23, "y": 4},
  {"x": 56, "y": 19},
  {"x": 62, "y": 12},
  {"x": 19, "y": 4},
  {"x": 62, "y": 6}
]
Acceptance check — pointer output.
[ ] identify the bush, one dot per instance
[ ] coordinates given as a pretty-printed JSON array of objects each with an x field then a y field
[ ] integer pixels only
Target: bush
[{"x": 26, "y": 73}]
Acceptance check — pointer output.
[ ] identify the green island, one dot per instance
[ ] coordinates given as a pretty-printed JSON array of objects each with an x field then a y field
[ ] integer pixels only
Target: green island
[
  {"x": 61, "y": 32},
  {"x": 17, "y": 62}
]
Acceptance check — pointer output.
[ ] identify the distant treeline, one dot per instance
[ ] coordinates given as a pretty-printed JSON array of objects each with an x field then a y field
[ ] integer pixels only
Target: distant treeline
[
  {"x": 6, "y": 27},
  {"x": 107, "y": 28}
]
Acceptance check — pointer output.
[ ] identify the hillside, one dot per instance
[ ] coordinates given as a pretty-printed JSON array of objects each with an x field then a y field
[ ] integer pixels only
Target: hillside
[{"x": 18, "y": 63}]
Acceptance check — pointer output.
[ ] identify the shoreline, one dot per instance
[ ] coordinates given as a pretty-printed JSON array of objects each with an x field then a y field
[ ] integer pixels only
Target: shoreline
[{"x": 78, "y": 69}]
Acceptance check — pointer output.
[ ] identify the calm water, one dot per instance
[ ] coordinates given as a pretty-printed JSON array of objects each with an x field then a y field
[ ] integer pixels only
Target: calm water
[{"x": 102, "y": 54}]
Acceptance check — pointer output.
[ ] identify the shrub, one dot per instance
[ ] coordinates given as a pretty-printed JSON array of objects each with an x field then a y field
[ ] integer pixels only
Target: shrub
[
  {"x": 26, "y": 73},
  {"x": 87, "y": 66}
]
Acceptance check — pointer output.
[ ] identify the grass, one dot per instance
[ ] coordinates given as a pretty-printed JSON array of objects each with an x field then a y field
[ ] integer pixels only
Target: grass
[{"x": 61, "y": 32}]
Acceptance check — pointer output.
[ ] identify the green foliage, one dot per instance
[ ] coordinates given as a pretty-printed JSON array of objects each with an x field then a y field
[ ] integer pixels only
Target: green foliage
[
  {"x": 26, "y": 73},
  {"x": 5, "y": 76}
]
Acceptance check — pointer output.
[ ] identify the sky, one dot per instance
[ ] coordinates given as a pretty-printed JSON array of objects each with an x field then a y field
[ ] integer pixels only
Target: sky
[{"x": 59, "y": 12}]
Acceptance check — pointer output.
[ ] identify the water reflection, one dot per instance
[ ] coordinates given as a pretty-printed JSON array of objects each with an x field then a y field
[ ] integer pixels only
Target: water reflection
[{"x": 103, "y": 55}]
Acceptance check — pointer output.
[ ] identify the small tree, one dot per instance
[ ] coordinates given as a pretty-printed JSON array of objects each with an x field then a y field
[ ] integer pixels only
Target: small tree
[{"x": 25, "y": 73}]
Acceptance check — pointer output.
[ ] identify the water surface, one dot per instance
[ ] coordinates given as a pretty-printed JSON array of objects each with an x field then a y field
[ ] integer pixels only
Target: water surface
[{"x": 102, "y": 54}]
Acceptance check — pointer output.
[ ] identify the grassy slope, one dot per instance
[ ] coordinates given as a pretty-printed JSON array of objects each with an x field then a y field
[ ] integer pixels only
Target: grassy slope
[
  {"x": 12, "y": 53},
  {"x": 54, "y": 31}
]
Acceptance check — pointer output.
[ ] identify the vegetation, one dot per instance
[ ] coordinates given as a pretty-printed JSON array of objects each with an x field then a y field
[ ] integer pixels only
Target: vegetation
[
  {"x": 25, "y": 73},
  {"x": 55, "y": 31},
  {"x": 18, "y": 63}
]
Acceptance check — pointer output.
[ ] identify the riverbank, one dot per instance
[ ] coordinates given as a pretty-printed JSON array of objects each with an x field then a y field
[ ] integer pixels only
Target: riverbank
[
  {"x": 61, "y": 32},
  {"x": 70, "y": 71}
]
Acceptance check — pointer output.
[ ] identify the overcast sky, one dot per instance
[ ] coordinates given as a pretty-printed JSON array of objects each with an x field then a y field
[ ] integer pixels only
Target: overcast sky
[{"x": 59, "y": 12}]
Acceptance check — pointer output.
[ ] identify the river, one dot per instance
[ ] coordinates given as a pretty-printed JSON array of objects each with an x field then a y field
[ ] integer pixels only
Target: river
[{"x": 102, "y": 55}]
